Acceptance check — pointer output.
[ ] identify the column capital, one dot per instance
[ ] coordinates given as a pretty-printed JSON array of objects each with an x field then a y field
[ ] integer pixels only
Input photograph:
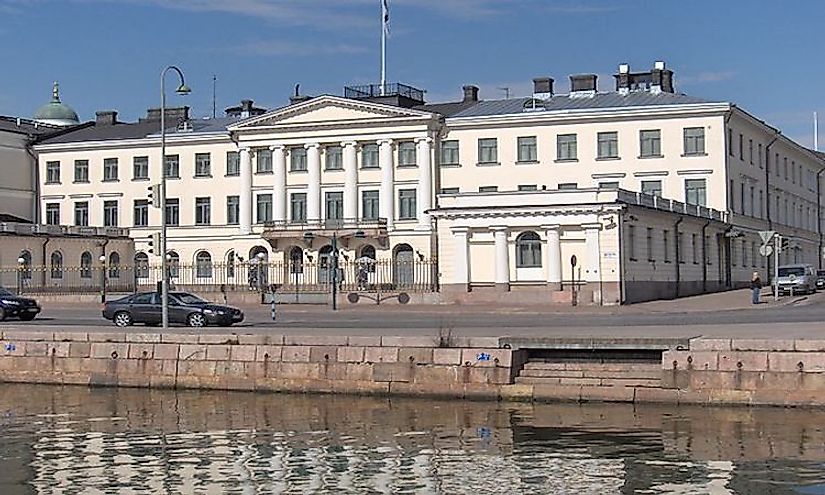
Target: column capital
[
  {"x": 551, "y": 227},
  {"x": 460, "y": 230},
  {"x": 312, "y": 145},
  {"x": 592, "y": 226},
  {"x": 277, "y": 147},
  {"x": 426, "y": 139},
  {"x": 245, "y": 148},
  {"x": 386, "y": 141},
  {"x": 345, "y": 144},
  {"x": 498, "y": 228}
]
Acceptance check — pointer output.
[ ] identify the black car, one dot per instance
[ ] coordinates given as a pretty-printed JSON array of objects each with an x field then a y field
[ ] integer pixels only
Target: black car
[
  {"x": 820, "y": 279},
  {"x": 13, "y": 305},
  {"x": 184, "y": 308}
]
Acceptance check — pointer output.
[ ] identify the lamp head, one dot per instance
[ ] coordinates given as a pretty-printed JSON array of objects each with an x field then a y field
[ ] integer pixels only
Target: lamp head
[
  {"x": 102, "y": 258},
  {"x": 183, "y": 90},
  {"x": 261, "y": 256},
  {"x": 21, "y": 260}
]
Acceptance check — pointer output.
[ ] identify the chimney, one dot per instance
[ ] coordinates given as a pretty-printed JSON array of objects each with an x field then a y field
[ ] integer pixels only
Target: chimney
[
  {"x": 661, "y": 78},
  {"x": 582, "y": 85},
  {"x": 623, "y": 79},
  {"x": 298, "y": 97},
  {"x": 246, "y": 108},
  {"x": 106, "y": 117},
  {"x": 543, "y": 88},
  {"x": 470, "y": 93}
]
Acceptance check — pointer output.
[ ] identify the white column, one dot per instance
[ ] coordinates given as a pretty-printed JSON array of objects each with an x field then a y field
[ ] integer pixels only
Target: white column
[
  {"x": 425, "y": 182},
  {"x": 279, "y": 188},
  {"x": 350, "y": 180},
  {"x": 461, "y": 261},
  {"x": 387, "y": 191},
  {"x": 592, "y": 265},
  {"x": 553, "y": 256},
  {"x": 245, "y": 207},
  {"x": 502, "y": 258},
  {"x": 314, "y": 184}
]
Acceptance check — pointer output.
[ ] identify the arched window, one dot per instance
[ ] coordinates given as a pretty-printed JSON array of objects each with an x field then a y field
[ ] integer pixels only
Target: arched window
[
  {"x": 26, "y": 265},
  {"x": 142, "y": 265},
  {"x": 403, "y": 270},
  {"x": 114, "y": 265},
  {"x": 258, "y": 267},
  {"x": 528, "y": 250},
  {"x": 255, "y": 251},
  {"x": 203, "y": 264},
  {"x": 173, "y": 261},
  {"x": 296, "y": 260},
  {"x": 230, "y": 264},
  {"x": 86, "y": 265},
  {"x": 57, "y": 265},
  {"x": 366, "y": 262}
]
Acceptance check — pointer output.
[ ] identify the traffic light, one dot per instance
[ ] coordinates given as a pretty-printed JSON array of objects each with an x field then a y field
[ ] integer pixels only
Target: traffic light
[
  {"x": 154, "y": 195},
  {"x": 784, "y": 244},
  {"x": 154, "y": 244}
]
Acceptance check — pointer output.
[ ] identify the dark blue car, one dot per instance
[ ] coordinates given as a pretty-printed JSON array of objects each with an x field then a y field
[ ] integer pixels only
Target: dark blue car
[{"x": 12, "y": 305}]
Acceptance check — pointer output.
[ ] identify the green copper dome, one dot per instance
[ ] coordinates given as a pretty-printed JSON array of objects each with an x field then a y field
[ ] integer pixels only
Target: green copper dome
[{"x": 56, "y": 112}]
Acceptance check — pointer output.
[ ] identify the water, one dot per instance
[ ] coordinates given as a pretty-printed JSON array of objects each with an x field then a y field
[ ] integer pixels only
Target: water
[{"x": 78, "y": 440}]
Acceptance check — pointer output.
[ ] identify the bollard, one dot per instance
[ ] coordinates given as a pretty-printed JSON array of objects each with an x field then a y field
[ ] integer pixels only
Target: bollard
[{"x": 272, "y": 312}]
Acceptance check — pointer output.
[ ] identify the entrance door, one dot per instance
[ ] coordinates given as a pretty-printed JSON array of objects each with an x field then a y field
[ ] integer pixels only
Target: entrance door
[
  {"x": 403, "y": 267},
  {"x": 325, "y": 265}
]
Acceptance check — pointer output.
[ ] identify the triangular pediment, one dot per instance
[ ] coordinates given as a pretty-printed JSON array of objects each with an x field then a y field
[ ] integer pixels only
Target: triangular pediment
[{"x": 328, "y": 110}]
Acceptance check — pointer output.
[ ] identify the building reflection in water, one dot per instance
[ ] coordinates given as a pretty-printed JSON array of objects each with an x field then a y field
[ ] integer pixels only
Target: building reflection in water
[{"x": 74, "y": 439}]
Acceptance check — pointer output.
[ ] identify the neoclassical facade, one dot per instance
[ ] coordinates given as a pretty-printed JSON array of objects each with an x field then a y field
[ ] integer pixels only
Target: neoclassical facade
[{"x": 656, "y": 193}]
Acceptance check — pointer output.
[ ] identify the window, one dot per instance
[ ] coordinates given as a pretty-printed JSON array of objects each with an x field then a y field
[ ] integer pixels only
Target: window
[
  {"x": 172, "y": 211},
  {"x": 81, "y": 171},
  {"x": 230, "y": 264},
  {"x": 666, "y": 242},
  {"x": 52, "y": 172},
  {"x": 652, "y": 187},
  {"x": 527, "y": 149},
  {"x": 142, "y": 265},
  {"x": 785, "y": 164},
  {"x": 793, "y": 172},
  {"x": 203, "y": 165},
  {"x": 730, "y": 142},
  {"x": 742, "y": 198},
  {"x": 631, "y": 242},
  {"x": 26, "y": 268},
  {"x": 369, "y": 205},
  {"x": 114, "y": 265},
  {"x": 449, "y": 153},
  {"x": 649, "y": 244},
  {"x": 56, "y": 267},
  {"x": 406, "y": 204},
  {"x": 263, "y": 161},
  {"x": 369, "y": 156},
  {"x": 487, "y": 189},
  {"x": 568, "y": 186},
  {"x": 296, "y": 260},
  {"x": 776, "y": 164},
  {"x": 750, "y": 151},
  {"x": 449, "y": 190},
  {"x": 528, "y": 187},
  {"x": 650, "y": 143},
  {"x": 203, "y": 211},
  {"x": 741, "y": 148},
  {"x": 264, "y": 208},
  {"x": 488, "y": 150},
  {"x": 744, "y": 253},
  {"x": 406, "y": 154},
  {"x": 110, "y": 213},
  {"x": 298, "y": 160},
  {"x": 86, "y": 265},
  {"x": 334, "y": 202},
  {"x": 694, "y": 249},
  {"x": 141, "y": 213},
  {"x": 759, "y": 158},
  {"x": 174, "y": 264},
  {"x": 233, "y": 210},
  {"x": 753, "y": 202},
  {"x": 203, "y": 265},
  {"x": 109, "y": 169},
  {"x": 528, "y": 250},
  {"x": 680, "y": 248},
  {"x": 233, "y": 163},
  {"x": 695, "y": 192},
  {"x": 334, "y": 158},
  {"x": 609, "y": 185},
  {"x": 694, "y": 141},
  {"x": 298, "y": 207},
  {"x": 172, "y": 166},
  {"x": 52, "y": 213},
  {"x": 566, "y": 147},
  {"x": 140, "y": 167},
  {"x": 81, "y": 213},
  {"x": 608, "y": 145}
]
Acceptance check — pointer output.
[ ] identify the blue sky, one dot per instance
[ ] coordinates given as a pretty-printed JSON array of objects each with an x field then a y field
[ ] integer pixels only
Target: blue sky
[{"x": 107, "y": 54}]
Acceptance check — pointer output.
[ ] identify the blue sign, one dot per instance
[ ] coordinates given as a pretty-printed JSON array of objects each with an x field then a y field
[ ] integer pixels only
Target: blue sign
[
  {"x": 11, "y": 347},
  {"x": 482, "y": 356}
]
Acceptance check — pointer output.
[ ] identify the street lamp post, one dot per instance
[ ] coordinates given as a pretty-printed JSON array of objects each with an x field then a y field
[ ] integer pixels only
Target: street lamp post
[
  {"x": 21, "y": 265},
  {"x": 182, "y": 89},
  {"x": 334, "y": 271},
  {"x": 260, "y": 267},
  {"x": 102, "y": 259}
]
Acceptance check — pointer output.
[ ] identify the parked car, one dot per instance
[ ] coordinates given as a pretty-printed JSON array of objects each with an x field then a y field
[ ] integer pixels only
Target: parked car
[
  {"x": 797, "y": 279},
  {"x": 820, "y": 279},
  {"x": 184, "y": 308},
  {"x": 13, "y": 305}
]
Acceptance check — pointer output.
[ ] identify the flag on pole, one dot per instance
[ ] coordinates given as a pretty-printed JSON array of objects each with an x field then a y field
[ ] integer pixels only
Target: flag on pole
[{"x": 385, "y": 9}]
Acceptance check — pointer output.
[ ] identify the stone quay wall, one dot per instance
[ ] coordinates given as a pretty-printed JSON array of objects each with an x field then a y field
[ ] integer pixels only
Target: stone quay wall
[{"x": 709, "y": 371}]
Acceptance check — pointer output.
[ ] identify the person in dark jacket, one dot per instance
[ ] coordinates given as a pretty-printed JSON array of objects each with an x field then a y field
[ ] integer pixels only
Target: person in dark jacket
[{"x": 756, "y": 287}]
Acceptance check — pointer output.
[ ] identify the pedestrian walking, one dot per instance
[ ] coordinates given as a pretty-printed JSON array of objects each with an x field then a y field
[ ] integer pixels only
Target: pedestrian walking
[{"x": 756, "y": 287}]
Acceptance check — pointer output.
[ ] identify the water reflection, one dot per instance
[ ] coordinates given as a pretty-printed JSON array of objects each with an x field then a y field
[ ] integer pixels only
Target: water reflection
[{"x": 78, "y": 440}]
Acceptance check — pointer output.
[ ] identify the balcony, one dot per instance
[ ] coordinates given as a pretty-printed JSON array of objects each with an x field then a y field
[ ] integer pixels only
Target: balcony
[
  {"x": 343, "y": 228},
  {"x": 396, "y": 94}
]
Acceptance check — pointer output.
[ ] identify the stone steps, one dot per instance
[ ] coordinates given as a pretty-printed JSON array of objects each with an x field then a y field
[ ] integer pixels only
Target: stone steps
[
  {"x": 584, "y": 366},
  {"x": 589, "y": 382},
  {"x": 616, "y": 374},
  {"x": 640, "y": 374}
]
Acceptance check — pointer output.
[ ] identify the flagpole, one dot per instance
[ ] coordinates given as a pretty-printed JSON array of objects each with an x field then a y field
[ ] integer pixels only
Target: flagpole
[
  {"x": 816, "y": 133},
  {"x": 383, "y": 45}
]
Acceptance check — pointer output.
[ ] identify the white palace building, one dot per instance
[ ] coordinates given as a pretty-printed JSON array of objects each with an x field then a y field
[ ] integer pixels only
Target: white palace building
[{"x": 657, "y": 194}]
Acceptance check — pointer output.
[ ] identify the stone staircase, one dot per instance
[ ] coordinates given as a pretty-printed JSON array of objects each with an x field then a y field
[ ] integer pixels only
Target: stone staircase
[{"x": 538, "y": 371}]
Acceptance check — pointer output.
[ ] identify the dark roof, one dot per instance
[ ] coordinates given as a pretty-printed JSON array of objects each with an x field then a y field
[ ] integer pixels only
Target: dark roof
[
  {"x": 566, "y": 102},
  {"x": 26, "y": 126},
  {"x": 135, "y": 130},
  {"x": 447, "y": 109}
]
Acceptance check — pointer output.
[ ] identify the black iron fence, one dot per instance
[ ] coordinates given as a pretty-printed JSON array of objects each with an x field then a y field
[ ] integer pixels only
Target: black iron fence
[{"x": 353, "y": 275}]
